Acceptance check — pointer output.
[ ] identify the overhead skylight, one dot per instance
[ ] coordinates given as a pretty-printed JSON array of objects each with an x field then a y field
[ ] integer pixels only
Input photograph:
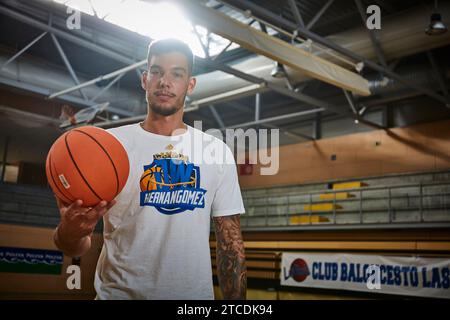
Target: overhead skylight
[{"x": 158, "y": 19}]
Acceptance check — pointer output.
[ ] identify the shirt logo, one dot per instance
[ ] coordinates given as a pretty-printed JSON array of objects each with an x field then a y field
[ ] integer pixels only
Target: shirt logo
[{"x": 171, "y": 183}]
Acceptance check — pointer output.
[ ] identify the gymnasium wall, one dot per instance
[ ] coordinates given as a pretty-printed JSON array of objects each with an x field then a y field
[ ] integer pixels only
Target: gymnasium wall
[
  {"x": 30, "y": 103},
  {"x": 259, "y": 247},
  {"x": 44, "y": 286},
  {"x": 263, "y": 255},
  {"x": 417, "y": 148}
]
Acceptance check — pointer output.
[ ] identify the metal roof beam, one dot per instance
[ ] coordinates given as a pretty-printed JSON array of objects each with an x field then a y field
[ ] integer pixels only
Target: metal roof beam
[
  {"x": 438, "y": 74},
  {"x": 376, "y": 44},
  {"x": 216, "y": 116},
  {"x": 67, "y": 36},
  {"x": 67, "y": 63},
  {"x": 296, "y": 12},
  {"x": 14, "y": 57},
  {"x": 45, "y": 92},
  {"x": 265, "y": 14},
  {"x": 319, "y": 14},
  {"x": 274, "y": 48}
]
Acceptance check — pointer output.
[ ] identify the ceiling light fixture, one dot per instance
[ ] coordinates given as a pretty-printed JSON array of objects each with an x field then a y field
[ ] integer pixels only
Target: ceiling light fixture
[{"x": 436, "y": 26}]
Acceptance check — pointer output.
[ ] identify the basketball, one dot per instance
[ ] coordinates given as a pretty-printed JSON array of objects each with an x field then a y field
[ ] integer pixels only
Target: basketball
[
  {"x": 87, "y": 163},
  {"x": 148, "y": 181}
]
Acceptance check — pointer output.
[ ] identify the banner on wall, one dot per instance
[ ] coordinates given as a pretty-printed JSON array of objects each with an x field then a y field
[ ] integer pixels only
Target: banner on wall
[
  {"x": 22, "y": 260},
  {"x": 410, "y": 276}
]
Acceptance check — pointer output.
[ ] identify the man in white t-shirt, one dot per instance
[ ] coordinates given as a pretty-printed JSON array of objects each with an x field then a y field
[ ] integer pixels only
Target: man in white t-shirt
[{"x": 156, "y": 231}]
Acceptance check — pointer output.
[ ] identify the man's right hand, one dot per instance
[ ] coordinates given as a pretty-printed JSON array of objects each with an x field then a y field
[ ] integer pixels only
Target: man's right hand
[{"x": 78, "y": 223}]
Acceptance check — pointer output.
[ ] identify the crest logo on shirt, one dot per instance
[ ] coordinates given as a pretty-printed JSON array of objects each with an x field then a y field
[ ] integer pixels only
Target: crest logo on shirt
[{"x": 171, "y": 183}]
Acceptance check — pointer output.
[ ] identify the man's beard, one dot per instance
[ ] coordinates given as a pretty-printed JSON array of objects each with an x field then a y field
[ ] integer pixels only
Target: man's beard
[
  {"x": 164, "y": 111},
  {"x": 167, "y": 111}
]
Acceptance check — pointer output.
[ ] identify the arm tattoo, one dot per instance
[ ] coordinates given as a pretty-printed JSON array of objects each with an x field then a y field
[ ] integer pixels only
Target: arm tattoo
[{"x": 230, "y": 257}]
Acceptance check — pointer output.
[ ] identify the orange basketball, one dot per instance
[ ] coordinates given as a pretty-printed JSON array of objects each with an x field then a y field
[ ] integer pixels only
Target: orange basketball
[
  {"x": 147, "y": 181},
  {"x": 87, "y": 163}
]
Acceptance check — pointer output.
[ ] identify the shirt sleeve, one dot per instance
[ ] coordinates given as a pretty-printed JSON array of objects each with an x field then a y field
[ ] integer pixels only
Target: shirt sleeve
[{"x": 228, "y": 199}]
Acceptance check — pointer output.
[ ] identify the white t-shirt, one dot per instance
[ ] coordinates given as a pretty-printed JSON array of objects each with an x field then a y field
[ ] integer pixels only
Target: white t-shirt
[{"x": 156, "y": 237}]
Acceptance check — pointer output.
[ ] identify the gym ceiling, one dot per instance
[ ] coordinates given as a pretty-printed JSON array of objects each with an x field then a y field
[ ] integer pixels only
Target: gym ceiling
[{"x": 405, "y": 70}]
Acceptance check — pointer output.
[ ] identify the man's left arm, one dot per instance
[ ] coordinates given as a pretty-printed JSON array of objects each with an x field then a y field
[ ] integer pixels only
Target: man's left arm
[{"x": 230, "y": 257}]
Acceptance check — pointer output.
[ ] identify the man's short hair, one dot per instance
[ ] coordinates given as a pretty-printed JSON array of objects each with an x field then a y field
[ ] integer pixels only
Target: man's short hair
[{"x": 171, "y": 45}]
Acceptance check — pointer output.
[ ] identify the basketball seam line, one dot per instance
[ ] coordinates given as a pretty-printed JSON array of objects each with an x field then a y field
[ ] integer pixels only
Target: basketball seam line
[
  {"x": 109, "y": 157},
  {"x": 145, "y": 176},
  {"x": 78, "y": 169},
  {"x": 151, "y": 173},
  {"x": 53, "y": 178}
]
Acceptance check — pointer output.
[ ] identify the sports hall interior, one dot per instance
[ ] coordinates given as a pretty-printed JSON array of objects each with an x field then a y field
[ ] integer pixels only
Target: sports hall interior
[{"x": 364, "y": 148}]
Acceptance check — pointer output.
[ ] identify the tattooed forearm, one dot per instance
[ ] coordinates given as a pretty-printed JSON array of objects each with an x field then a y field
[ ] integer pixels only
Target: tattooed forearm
[{"x": 230, "y": 257}]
